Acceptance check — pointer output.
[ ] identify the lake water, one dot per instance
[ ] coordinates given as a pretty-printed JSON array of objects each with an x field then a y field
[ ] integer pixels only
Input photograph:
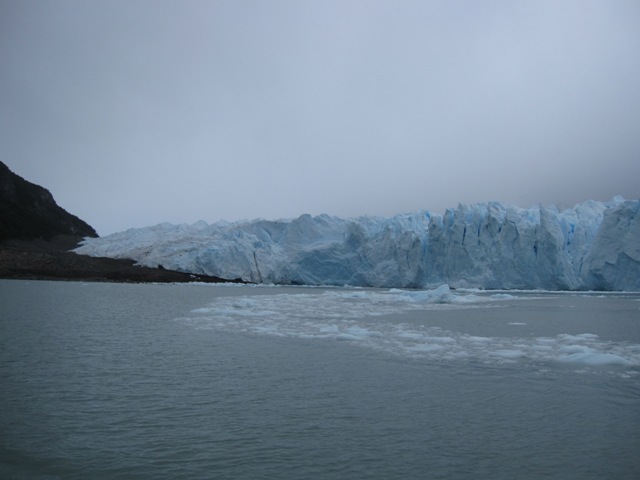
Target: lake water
[{"x": 238, "y": 382}]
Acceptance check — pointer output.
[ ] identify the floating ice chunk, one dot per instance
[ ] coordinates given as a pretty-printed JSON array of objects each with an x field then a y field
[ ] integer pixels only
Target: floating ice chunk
[
  {"x": 478, "y": 339},
  {"x": 362, "y": 332},
  {"x": 202, "y": 310},
  {"x": 411, "y": 335},
  {"x": 574, "y": 349},
  {"x": 351, "y": 294},
  {"x": 588, "y": 356},
  {"x": 587, "y": 337},
  {"x": 346, "y": 336},
  {"x": 442, "y": 294},
  {"x": 510, "y": 354},
  {"x": 243, "y": 303},
  {"x": 594, "y": 358},
  {"x": 503, "y": 296},
  {"x": 329, "y": 329}
]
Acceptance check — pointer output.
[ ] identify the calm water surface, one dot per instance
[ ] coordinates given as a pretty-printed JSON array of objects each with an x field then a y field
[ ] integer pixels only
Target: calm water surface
[{"x": 237, "y": 382}]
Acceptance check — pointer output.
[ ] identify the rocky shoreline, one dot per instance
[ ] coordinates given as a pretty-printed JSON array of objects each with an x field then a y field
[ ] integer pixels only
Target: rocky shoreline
[{"x": 52, "y": 260}]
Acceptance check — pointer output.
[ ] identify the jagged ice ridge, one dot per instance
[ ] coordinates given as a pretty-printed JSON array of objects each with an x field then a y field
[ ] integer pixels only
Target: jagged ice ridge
[{"x": 594, "y": 245}]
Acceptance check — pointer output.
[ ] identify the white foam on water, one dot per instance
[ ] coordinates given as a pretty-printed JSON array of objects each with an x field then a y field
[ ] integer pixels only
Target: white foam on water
[{"x": 355, "y": 316}]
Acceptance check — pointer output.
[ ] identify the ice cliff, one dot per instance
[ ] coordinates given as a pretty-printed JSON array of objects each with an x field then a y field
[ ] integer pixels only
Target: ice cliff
[{"x": 593, "y": 245}]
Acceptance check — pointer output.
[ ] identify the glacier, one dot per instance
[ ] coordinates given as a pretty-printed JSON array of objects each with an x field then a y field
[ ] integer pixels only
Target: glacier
[{"x": 592, "y": 246}]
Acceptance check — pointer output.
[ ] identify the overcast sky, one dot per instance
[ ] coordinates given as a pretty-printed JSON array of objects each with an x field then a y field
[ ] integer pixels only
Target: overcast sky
[{"x": 136, "y": 112}]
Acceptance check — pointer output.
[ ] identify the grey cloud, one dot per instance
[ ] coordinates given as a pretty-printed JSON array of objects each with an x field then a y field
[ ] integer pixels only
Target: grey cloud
[{"x": 134, "y": 113}]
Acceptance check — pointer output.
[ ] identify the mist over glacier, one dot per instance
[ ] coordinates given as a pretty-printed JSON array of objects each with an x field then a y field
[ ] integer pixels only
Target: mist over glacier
[{"x": 594, "y": 245}]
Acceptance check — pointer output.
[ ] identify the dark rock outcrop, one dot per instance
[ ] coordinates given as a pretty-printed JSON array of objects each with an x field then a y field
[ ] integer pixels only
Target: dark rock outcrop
[
  {"x": 28, "y": 211},
  {"x": 36, "y": 236}
]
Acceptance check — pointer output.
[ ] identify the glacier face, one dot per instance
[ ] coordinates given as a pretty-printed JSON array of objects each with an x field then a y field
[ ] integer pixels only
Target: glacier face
[{"x": 593, "y": 245}]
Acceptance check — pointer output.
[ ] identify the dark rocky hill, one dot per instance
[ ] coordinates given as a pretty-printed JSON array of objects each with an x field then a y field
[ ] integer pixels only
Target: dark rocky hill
[
  {"x": 28, "y": 211},
  {"x": 36, "y": 235}
]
